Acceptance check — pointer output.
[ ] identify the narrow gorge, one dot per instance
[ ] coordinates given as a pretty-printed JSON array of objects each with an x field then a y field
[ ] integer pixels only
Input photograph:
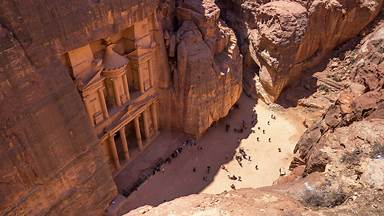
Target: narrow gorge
[{"x": 191, "y": 107}]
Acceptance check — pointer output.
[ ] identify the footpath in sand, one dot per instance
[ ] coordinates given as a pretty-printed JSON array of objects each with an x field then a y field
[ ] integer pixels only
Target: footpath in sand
[{"x": 200, "y": 168}]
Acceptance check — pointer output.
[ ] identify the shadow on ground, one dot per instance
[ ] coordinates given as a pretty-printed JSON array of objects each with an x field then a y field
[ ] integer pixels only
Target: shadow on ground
[{"x": 188, "y": 173}]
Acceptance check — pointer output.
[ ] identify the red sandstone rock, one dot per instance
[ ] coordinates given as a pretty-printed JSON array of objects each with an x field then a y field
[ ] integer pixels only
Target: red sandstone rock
[
  {"x": 51, "y": 163},
  {"x": 339, "y": 153},
  {"x": 208, "y": 78},
  {"x": 288, "y": 37}
]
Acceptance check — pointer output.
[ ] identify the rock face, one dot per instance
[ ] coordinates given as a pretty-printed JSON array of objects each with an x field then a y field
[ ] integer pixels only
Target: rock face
[
  {"x": 50, "y": 161},
  {"x": 337, "y": 171},
  {"x": 208, "y": 72},
  {"x": 361, "y": 101},
  {"x": 288, "y": 37}
]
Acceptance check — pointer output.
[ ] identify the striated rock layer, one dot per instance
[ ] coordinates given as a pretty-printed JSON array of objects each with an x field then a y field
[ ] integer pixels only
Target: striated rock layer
[{"x": 285, "y": 38}]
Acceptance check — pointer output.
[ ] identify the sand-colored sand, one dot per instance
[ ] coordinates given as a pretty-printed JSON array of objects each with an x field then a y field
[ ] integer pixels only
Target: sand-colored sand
[
  {"x": 284, "y": 132},
  {"x": 188, "y": 173}
]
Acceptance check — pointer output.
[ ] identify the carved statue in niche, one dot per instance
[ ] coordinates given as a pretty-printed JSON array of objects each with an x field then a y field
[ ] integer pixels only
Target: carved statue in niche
[{"x": 115, "y": 72}]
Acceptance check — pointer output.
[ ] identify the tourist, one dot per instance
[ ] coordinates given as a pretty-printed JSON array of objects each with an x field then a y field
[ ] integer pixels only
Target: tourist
[
  {"x": 233, "y": 177},
  {"x": 233, "y": 187},
  {"x": 269, "y": 139},
  {"x": 279, "y": 149},
  {"x": 257, "y": 167},
  {"x": 224, "y": 168},
  {"x": 239, "y": 159}
]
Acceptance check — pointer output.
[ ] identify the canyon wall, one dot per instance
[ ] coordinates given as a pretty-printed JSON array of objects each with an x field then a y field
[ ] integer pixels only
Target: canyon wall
[
  {"x": 51, "y": 163},
  {"x": 339, "y": 168},
  {"x": 286, "y": 38},
  {"x": 207, "y": 75}
]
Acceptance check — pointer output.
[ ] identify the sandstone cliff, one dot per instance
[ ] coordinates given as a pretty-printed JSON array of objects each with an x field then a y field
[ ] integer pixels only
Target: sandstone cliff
[
  {"x": 339, "y": 167},
  {"x": 285, "y": 38},
  {"x": 207, "y": 76},
  {"x": 50, "y": 161}
]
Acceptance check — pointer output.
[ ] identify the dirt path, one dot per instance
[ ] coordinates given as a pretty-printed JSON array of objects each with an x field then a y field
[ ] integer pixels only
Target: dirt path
[{"x": 199, "y": 168}]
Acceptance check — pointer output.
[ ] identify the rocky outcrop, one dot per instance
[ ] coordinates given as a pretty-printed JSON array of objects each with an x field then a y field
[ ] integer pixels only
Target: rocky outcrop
[
  {"x": 262, "y": 202},
  {"x": 288, "y": 37},
  {"x": 362, "y": 101},
  {"x": 207, "y": 75}
]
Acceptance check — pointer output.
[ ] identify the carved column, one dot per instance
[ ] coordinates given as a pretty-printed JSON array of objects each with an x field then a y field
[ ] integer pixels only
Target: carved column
[
  {"x": 141, "y": 84},
  {"x": 154, "y": 117},
  {"x": 146, "y": 124},
  {"x": 126, "y": 88},
  {"x": 87, "y": 108},
  {"x": 125, "y": 143},
  {"x": 113, "y": 149},
  {"x": 116, "y": 92},
  {"x": 151, "y": 73},
  {"x": 138, "y": 133},
  {"x": 103, "y": 104}
]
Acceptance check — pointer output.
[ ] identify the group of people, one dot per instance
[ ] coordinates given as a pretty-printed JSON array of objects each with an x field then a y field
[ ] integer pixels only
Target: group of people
[{"x": 242, "y": 155}]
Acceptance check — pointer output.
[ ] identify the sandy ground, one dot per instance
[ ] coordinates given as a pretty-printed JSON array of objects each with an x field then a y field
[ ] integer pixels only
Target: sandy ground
[
  {"x": 199, "y": 169},
  {"x": 284, "y": 133}
]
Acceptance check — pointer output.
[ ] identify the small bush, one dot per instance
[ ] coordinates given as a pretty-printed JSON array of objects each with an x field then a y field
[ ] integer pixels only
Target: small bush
[
  {"x": 351, "y": 158},
  {"x": 377, "y": 151},
  {"x": 324, "y": 198},
  {"x": 324, "y": 88}
]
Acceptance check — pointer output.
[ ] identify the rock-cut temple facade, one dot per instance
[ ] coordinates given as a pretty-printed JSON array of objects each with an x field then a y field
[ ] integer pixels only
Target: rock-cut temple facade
[{"x": 115, "y": 78}]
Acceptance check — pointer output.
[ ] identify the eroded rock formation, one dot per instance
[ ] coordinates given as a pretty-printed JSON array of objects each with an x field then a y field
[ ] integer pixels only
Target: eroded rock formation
[
  {"x": 288, "y": 37},
  {"x": 208, "y": 75}
]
